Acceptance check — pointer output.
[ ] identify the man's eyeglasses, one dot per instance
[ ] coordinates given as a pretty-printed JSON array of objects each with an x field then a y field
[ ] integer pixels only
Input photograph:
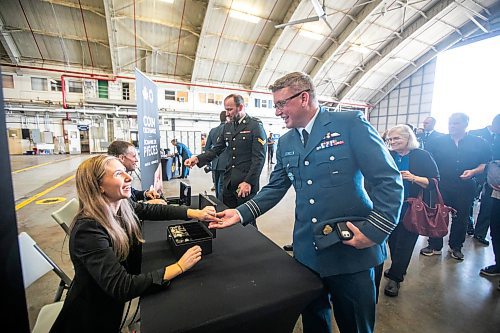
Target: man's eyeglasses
[{"x": 281, "y": 104}]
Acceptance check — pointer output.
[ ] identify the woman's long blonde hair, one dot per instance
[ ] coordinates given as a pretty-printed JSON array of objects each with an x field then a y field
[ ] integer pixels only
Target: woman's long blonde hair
[{"x": 123, "y": 229}]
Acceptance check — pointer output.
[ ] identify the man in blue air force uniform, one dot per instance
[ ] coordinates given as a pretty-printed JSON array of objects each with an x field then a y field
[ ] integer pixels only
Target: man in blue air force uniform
[{"x": 325, "y": 157}]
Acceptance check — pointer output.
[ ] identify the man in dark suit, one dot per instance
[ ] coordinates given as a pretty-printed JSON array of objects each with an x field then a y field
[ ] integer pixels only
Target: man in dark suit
[
  {"x": 483, "y": 218},
  {"x": 460, "y": 158},
  {"x": 429, "y": 133},
  {"x": 326, "y": 156},
  {"x": 218, "y": 164},
  {"x": 245, "y": 139}
]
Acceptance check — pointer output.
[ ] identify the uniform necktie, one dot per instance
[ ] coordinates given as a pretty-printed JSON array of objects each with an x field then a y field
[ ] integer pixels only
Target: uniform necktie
[{"x": 305, "y": 136}]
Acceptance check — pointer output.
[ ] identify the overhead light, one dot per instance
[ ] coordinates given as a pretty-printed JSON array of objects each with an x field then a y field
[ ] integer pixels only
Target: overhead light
[
  {"x": 244, "y": 16},
  {"x": 167, "y": 1},
  {"x": 311, "y": 35}
]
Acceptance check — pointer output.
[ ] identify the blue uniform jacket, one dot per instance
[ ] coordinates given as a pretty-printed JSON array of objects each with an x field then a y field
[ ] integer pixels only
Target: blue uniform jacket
[
  {"x": 328, "y": 174},
  {"x": 183, "y": 150}
]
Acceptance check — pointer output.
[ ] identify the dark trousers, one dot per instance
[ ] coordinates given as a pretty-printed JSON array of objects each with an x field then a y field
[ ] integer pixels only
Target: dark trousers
[
  {"x": 218, "y": 177},
  {"x": 461, "y": 198},
  {"x": 495, "y": 229},
  {"x": 401, "y": 244},
  {"x": 483, "y": 218},
  {"x": 270, "y": 154},
  {"x": 353, "y": 299},
  {"x": 230, "y": 198}
]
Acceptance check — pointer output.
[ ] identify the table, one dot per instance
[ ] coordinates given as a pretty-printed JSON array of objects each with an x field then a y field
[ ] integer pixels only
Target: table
[
  {"x": 169, "y": 168},
  {"x": 247, "y": 284}
]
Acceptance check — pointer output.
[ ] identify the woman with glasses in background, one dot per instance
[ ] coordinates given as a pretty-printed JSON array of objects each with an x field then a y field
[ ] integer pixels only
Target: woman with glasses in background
[{"x": 417, "y": 169}]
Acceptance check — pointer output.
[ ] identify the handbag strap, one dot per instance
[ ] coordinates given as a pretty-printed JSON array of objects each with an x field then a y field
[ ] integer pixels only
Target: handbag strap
[{"x": 439, "y": 199}]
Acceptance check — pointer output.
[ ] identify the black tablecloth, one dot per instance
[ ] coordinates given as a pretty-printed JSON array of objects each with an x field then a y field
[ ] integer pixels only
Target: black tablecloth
[{"x": 247, "y": 284}]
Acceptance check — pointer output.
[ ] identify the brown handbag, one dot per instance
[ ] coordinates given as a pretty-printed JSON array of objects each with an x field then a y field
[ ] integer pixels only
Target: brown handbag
[{"x": 426, "y": 221}]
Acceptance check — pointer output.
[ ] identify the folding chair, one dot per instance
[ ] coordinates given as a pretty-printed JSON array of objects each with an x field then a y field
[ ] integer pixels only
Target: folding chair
[
  {"x": 65, "y": 215},
  {"x": 35, "y": 264}
]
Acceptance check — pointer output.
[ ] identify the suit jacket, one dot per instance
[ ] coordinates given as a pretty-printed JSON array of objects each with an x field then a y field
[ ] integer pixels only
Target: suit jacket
[
  {"x": 246, "y": 149},
  {"x": 219, "y": 163},
  {"x": 137, "y": 195},
  {"x": 425, "y": 140},
  {"x": 483, "y": 133},
  {"x": 102, "y": 284},
  {"x": 327, "y": 176}
]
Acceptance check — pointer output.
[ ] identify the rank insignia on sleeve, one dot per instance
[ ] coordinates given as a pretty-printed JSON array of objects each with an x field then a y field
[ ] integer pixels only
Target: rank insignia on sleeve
[{"x": 262, "y": 142}]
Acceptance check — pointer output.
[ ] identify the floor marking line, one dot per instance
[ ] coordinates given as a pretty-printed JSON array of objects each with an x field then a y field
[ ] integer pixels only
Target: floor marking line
[
  {"x": 38, "y": 195},
  {"x": 39, "y": 165}
]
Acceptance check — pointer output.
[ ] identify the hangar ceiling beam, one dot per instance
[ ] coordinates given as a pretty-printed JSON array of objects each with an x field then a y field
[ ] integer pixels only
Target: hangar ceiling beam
[
  {"x": 113, "y": 51},
  {"x": 457, "y": 36},
  {"x": 274, "y": 41},
  {"x": 408, "y": 31},
  {"x": 349, "y": 33},
  {"x": 202, "y": 37},
  {"x": 9, "y": 44}
]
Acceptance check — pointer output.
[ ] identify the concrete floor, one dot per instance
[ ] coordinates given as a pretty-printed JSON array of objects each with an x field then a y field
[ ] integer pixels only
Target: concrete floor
[{"x": 439, "y": 294}]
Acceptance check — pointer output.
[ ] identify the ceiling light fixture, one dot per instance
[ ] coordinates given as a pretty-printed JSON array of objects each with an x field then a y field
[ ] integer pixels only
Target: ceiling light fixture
[
  {"x": 311, "y": 35},
  {"x": 244, "y": 16},
  {"x": 167, "y": 1}
]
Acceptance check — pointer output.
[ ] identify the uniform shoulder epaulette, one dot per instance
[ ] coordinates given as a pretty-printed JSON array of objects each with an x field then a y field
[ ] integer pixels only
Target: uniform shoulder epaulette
[{"x": 256, "y": 119}]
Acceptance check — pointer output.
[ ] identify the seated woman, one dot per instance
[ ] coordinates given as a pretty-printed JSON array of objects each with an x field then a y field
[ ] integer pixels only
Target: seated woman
[
  {"x": 104, "y": 235},
  {"x": 417, "y": 168}
]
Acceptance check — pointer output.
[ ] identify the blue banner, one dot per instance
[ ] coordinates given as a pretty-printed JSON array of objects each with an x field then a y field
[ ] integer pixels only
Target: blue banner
[{"x": 149, "y": 132}]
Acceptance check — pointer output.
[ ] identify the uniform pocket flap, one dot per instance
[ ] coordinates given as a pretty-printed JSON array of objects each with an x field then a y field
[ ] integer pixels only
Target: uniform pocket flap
[{"x": 325, "y": 234}]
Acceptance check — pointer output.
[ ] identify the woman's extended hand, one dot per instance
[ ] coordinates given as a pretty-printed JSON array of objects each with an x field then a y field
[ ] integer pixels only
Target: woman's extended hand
[
  {"x": 190, "y": 258},
  {"x": 206, "y": 214}
]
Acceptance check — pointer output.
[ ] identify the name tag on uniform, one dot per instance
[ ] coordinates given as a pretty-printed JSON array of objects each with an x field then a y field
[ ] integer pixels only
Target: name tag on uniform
[
  {"x": 245, "y": 132},
  {"x": 289, "y": 153}
]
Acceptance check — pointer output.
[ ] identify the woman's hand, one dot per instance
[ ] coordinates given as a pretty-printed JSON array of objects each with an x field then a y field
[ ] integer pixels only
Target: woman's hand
[
  {"x": 190, "y": 258},
  {"x": 407, "y": 175},
  {"x": 206, "y": 214},
  {"x": 420, "y": 181}
]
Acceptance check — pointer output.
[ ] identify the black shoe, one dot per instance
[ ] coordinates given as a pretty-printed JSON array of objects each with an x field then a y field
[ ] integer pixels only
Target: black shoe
[
  {"x": 392, "y": 288},
  {"x": 482, "y": 240},
  {"x": 456, "y": 254},
  {"x": 492, "y": 270},
  {"x": 288, "y": 247}
]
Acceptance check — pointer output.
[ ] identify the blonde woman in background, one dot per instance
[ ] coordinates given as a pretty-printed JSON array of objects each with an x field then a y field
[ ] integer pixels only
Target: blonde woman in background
[{"x": 417, "y": 169}]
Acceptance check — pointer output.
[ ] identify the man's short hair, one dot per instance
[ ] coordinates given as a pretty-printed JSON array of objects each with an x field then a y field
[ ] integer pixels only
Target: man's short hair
[
  {"x": 297, "y": 81},
  {"x": 119, "y": 147},
  {"x": 238, "y": 99},
  {"x": 223, "y": 116},
  {"x": 461, "y": 115}
]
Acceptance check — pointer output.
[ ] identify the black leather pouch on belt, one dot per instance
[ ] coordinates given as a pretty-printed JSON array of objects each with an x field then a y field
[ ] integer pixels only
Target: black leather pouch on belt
[{"x": 325, "y": 234}]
